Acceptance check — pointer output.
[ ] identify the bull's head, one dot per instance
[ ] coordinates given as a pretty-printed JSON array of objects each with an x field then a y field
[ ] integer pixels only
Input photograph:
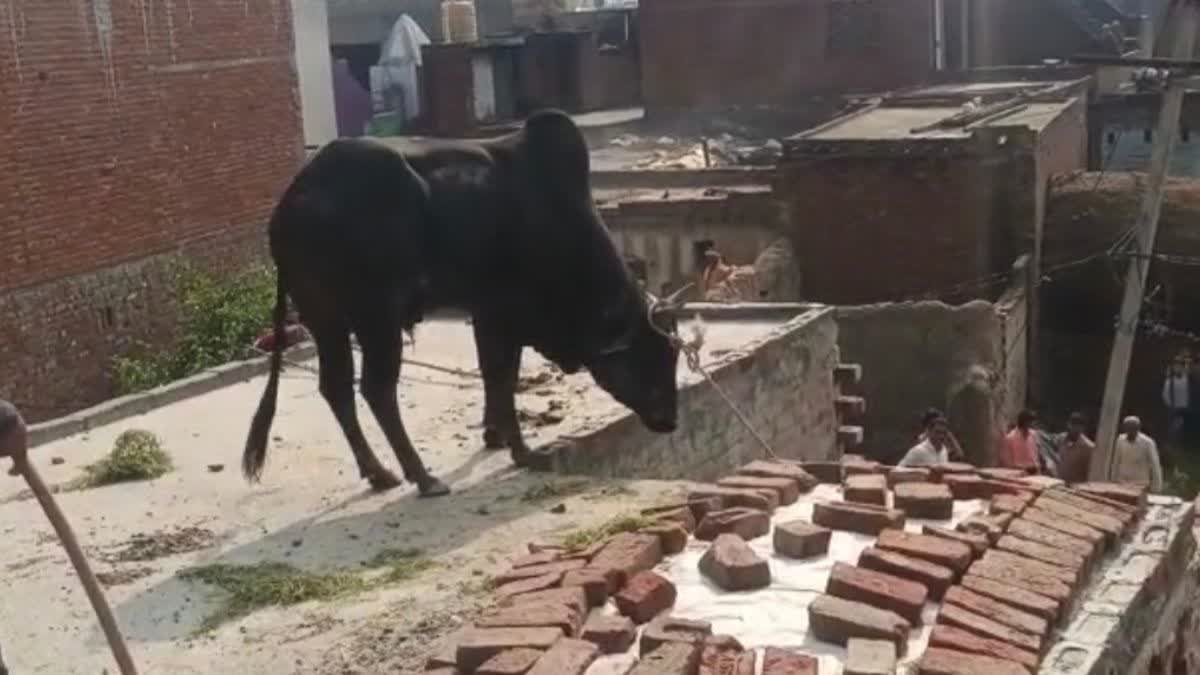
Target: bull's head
[{"x": 638, "y": 368}]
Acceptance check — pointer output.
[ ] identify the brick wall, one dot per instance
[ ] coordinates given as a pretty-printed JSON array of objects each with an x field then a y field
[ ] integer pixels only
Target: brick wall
[
  {"x": 782, "y": 382},
  {"x": 868, "y": 229},
  {"x": 718, "y": 53},
  {"x": 129, "y": 132}
]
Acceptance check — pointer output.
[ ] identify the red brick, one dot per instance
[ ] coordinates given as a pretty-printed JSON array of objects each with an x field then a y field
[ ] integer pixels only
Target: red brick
[
  {"x": 1112, "y": 528},
  {"x": 480, "y": 644},
  {"x": 673, "y": 514},
  {"x": 731, "y": 564},
  {"x": 940, "y": 661},
  {"x": 935, "y": 578},
  {"x": 901, "y": 474},
  {"x": 991, "y": 526},
  {"x": 671, "y": 629},
  {"x": 534, "y": 559},
  {"x": 569, "y": 597},
  {"x": 597, "y": 584},
  {"x": 531, "y": 584},
  {"x": 1003, "y": 558},
  {"x": 673, "y": 658},
  {"x": 703, "y": 507},
  {"x": 612, "y": 634},
  {"x": 773, "y": 469},
  {"x": 1126, "y": 493},
  {"x": 1092, "y": 536},
  {"x": 866, "y": 488},
  {"x": 672, "y": 536},
  {"x": 1047, "y": 554},
  {"x": 1016, "y": 597},
  {"x": 862, "y": 468},
  {"x": 949, "y": 637},
  {"x": 932, "y": 501},
  {"x": 786, "y": 489},
  {"x": 836, "y": 620},
  {"x": 826, "y": 472},
  {"x": 787, "y": 662},
  {"x": 717, "y": 661},
  {"x": 1123, "y": 513},
  {"x": 904, "y": 597},
  {"x": 446, "y": 655},
  {"x": 519, "y": 573},
  {"x": 1040, "y": 484},
  {"x": 940, "y": 471},
  {"x": 586, "y": 553},
  {"x": 967, "y": 486},
  {"x": 997, "y": 611},
  {"x": 860, "y": 518},
  {"x": 978, "y": 542},
  {"x": 511, "y": 662},
  {"x": 798, "y": 539},
  {"x": 546, "y": 614},
  {"x": 1021, "y": 578},
  {"x": 630, "y": 553},
  {"x": 567, "y": 657},
  {"x": 870, "y": 657},
  {"x": 645, "y": 596},
  {"x": 1013, "y": 504},
  {"x": 953, "y": 554},
  {"x": 996, "y": 473},
  {"x": 746, "y": 523},
  {"x": 953, "y": 615},
  {"x": 763, "y": 500},
  {"x": 1010, "y": 487}
]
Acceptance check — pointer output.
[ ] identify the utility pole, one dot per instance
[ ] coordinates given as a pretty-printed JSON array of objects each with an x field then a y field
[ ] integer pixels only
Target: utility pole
[{"x": 1181, "y": 28}]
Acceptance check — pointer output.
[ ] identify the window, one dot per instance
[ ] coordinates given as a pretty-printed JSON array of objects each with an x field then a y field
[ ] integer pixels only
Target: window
[{"x": 855, "y": 26}]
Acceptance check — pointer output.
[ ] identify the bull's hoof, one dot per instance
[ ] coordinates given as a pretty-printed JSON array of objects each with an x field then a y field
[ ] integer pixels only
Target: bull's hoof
[
  {"x": 492, "y": 440},
  {"x": 384, "y": 481},
  {"x": 432, "y": 487},
  {"x": 520, "y": 456}
]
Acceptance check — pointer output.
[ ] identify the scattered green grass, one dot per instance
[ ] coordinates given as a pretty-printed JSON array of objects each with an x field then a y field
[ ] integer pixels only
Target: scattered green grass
[
  {"x": 269, "y": 584},
  {"x": 554, "y": 490},
  {"x": 249, "y": 588},
  {"x": 581, "y": 539},
  {"x": 136, "y": 455},
  {"x": 1183, "y": 480}
]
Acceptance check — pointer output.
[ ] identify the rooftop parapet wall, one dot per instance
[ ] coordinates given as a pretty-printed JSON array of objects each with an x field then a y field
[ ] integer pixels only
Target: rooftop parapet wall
[{"x": 783, "y": 382}]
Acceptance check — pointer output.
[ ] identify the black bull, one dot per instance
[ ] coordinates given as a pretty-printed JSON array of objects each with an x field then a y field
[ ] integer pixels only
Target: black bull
[{"x": 367, "y": 239}]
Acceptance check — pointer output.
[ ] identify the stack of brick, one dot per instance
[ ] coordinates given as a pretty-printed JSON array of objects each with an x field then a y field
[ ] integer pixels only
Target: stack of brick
[
  {"x": 850, "y": 408},
  {"x": 1043, "y": 540}
]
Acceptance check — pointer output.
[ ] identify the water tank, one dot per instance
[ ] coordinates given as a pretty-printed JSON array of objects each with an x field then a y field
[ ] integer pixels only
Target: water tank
[{"x": 458, "y": 21}]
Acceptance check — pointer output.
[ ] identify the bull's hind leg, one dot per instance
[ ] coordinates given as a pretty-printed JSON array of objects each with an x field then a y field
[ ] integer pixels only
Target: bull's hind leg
[
  {"x": 337, "y": 387},
  {"x": 382, "y": 348}
]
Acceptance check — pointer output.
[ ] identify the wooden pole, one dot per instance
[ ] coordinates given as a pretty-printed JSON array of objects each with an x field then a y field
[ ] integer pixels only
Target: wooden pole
[{"x": 1183, "y": 30}]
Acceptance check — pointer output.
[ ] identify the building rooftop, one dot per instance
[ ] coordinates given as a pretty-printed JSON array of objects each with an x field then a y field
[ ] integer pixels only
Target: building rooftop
[{"x": 927, "y": 116}]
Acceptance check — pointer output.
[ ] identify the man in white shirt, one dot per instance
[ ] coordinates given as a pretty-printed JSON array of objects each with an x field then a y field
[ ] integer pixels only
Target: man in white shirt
[
  {"x": 1136, "y": 457},
  {"x": 932, "y": 449},
  {"x": 1176, "y": 398}
]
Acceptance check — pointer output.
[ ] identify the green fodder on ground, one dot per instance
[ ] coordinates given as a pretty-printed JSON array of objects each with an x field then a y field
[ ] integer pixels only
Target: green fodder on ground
[
  {"x": 248, "y": 588},
  {"x": 581, "y": 539},
  {"x": 136, "y": 455}
]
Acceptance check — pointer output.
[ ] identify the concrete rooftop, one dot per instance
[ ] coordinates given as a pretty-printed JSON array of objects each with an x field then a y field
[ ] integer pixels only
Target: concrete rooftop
[
  {"x": 896, "y": 122},
  {"x": 311, "y": 510}
]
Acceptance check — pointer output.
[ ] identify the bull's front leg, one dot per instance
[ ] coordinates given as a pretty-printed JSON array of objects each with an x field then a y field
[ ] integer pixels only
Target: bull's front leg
[{"x": 500, "y": 363}]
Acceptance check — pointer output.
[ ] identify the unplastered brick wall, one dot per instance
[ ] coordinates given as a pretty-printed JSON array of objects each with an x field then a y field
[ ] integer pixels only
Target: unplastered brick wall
[
  {"x": 130, "y": 133},
  {"x": 784, "y": 383}
]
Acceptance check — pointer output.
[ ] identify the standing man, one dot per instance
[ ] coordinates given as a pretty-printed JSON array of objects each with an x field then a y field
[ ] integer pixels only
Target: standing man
[
  {"x": 1136, "y": 456},
  {"x": 14, "y": 444},
  {"x": 1019, "y": 448},
  {"x": 933, "y": 447},
  {"x": 1176, "y": 396},
  {"x": 1075, "y": 451}
]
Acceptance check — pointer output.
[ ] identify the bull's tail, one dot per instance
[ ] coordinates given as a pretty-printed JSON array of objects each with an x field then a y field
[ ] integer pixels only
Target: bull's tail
[{"x": 255, "y": 455}]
